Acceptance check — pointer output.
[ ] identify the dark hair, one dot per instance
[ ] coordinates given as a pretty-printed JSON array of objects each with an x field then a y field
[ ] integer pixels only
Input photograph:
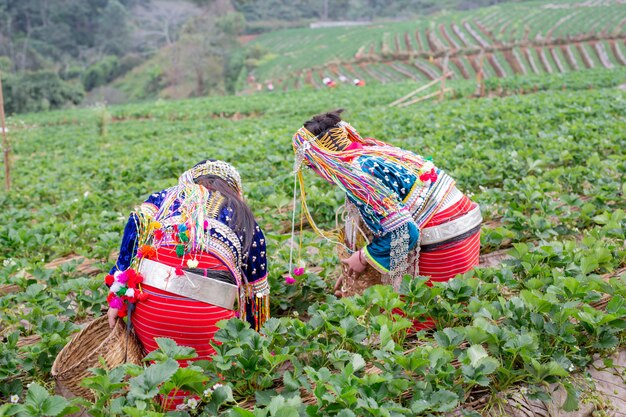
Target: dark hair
[
  {"x": 322, "y": 123},
  {"x": 242, "y": 223}
]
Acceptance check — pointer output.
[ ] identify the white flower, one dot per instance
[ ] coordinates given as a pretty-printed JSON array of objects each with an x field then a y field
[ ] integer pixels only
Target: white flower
[
  {"x": 130, "y": 292},
  {"x": 216, "y": 386},
  {"x": 9, "y": 262},
  {"x": 192, "y": 403},
  {"x": 28, "y": 385},
  {"x": 571, "y": 368},
  {"x": 86, "y": 194},
  {"x": 207, "y": 392},
  {"x": 15, "y": 399}
]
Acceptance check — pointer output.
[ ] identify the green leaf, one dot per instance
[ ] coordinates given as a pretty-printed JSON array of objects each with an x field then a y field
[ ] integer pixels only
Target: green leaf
[
  {"x": 146, "y": 385},
  {"x": 475, "y": 353},
  {"x": 172, "y": 350},
  {"x": 419, "y": 406},
  {"x": 53, "y": 406},
  {"x": 444, "y": 400},
  {"x": 571, "y": 402},
  {"x": 488, "y": 365},
  {"x": 36, "y": 395},
  {"x": 287, "y": 412},
  {"x": 555, "y": 369},
  {"x": 615, "y": 304},
  {"x": 135, "y": 412},
  {"x": 188, "y": 379},
  {"x": 606, "y": 340},
  {"x": 358, "y": 362},
  {"x": 386, "y": 342},
  {"x": 241, "y": 412},
  {"x": 221, "y": 395},
  {"x": 588, "y": 264}
]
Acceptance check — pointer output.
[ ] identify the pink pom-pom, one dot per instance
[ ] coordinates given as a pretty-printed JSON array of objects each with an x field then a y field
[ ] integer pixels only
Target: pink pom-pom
[
  {"x": 122, "y": 278},
  {"x": 289, "y": 280},
  {"x": 298, "y": 271},
  {"x": 116, "y": 302}
]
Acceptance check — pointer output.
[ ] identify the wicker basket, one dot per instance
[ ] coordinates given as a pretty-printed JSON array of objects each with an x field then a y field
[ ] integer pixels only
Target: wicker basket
[
  {"x": 351, "y": 286},
  {"x": 347, "y": 285},
  {"x": 97, "y": 339}
]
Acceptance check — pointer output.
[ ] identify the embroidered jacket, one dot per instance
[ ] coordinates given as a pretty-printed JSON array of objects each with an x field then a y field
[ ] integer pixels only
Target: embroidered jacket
[
  {"x": 250, "y": 268},
  {"x": 417, "y": 202}
]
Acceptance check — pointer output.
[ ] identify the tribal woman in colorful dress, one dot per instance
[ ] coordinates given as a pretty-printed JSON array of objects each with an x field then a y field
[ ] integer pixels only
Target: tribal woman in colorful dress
[
  {"x": 191, "y": 255},
  {"x": 420, "y": 223}
]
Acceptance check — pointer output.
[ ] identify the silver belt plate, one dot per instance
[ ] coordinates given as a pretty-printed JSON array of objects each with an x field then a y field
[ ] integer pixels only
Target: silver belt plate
[
  {"x": 189, "y": 285},
  {"x": 445, "y": 231}
]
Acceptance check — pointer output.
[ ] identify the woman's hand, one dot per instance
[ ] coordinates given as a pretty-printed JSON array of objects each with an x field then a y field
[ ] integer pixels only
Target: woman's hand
[
  {"x": 112, "y": 316},
  {"x": 356, "y": 263}
]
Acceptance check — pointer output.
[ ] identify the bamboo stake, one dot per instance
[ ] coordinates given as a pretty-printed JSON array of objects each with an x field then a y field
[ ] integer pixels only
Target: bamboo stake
[
  {"x": 431, "y": 95},
  {"x": 480, "y": 83},
  {"x": 6, "y": 146},
  {"x": 422, "y": 88},
  {"x": 443, "y": 78}
]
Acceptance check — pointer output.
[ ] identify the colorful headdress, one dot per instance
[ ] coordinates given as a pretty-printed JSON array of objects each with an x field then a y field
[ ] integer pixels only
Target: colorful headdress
[
  {"x": 335, "y": 139},
  {"x": 219, "y": 169},
  {"x": 333, "y": 166}
]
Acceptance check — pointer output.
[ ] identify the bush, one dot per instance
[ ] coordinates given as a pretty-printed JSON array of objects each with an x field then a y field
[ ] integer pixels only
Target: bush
[
  {"x": 5, "y": 64},
  {"x": 127, "y": 63},
  {"x": 37, "y": 91},
  {"x": 101, "y": 73}
]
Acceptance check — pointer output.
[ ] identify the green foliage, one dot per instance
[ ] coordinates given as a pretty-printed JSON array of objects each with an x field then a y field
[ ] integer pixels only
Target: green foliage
[
  {"x": 37, "y": 91},
  {"x": 114, "y": 30},
  {"x": 548, "y": 168},
  {"x": 101, "y": 73},
  {"x": 39, "y": 403},
  {"x": 268, "y": 10},
  {"x": 54, "y": 30}
]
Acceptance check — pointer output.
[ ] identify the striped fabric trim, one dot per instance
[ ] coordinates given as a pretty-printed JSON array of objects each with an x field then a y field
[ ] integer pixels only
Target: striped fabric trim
[
  {"x": 148, "y": 209},
  {"x": 395, "y": 220},
  {"x": 370, "y": 259},
  {"x": 454, "y": 196},
  {"x": 260, "y": 286},
  {"x": 424, "y": 202},
  {"x": 434, "y": 200}
]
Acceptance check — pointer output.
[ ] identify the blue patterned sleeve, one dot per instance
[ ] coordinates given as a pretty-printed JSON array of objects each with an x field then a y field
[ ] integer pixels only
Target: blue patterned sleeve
[
  {"x": 258, "y": 289},
  {"x": 128, "y": 247},
  {"x": 256, "y": 261},
  {"x": 379, "y": 249}
]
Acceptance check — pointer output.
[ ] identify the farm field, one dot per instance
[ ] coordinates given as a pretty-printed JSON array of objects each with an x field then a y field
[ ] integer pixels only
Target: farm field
[
  {"x": 546, "y": 166},
  {"x": 505, "y": 40}
]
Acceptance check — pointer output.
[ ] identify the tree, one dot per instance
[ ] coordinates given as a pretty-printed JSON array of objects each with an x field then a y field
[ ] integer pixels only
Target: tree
[{"x": 114, "y": 30}]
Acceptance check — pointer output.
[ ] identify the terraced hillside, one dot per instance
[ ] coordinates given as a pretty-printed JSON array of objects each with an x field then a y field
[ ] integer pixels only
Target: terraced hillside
[{"x": 501, "y": 41}]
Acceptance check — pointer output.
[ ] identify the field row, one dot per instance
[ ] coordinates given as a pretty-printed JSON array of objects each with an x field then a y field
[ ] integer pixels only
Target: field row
[
  {"x": 555, "y": 58},
  {"x": 517, "y": 39}
]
